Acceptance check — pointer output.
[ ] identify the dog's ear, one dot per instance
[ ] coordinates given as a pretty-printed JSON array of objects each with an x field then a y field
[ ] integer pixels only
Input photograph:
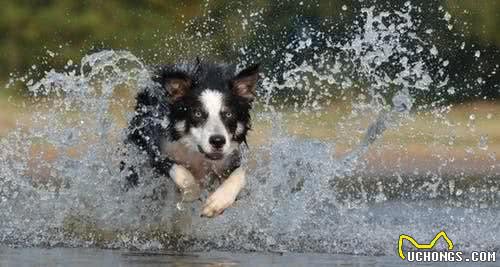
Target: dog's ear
[
  {"x": 245, "y": 82},
  {"x": 177, "y": 85}
]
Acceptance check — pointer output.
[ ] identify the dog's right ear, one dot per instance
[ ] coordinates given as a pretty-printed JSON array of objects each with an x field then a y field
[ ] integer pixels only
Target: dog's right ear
[
  {"x": 177, "y": 85},
  {"x": 245, "y": 82}
]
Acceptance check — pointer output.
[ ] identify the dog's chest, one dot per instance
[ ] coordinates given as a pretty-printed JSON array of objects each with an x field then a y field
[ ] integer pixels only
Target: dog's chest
[{"x": 197, "y": 163}]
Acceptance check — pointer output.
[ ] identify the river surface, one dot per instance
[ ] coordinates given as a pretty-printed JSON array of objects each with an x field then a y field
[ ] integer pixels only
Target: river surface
[{"x": 97, "y": 257}]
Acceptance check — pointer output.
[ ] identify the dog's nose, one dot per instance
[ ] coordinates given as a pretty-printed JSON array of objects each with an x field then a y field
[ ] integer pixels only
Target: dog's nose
[{"x": 217, "y": 141}]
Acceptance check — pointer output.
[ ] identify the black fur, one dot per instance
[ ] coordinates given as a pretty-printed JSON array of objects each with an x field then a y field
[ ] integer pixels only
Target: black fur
[{"x": 158, "y": 109}]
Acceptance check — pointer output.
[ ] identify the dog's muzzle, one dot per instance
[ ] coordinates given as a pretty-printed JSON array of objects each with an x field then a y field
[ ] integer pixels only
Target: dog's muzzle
[{"x": 213, "y": 155}]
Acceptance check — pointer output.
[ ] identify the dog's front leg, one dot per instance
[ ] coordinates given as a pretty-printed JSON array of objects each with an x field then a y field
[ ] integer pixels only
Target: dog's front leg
[
  {"x": 185, "y": 181},
  {"x": 225, "y": 195}
]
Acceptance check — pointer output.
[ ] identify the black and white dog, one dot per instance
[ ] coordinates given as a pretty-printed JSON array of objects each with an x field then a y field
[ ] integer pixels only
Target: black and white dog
[{"x": 191, "y": 125}]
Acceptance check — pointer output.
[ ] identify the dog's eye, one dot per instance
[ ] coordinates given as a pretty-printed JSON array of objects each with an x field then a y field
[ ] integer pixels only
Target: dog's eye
[
  {"x": 197, "y": 114},
  {"x": 228, "y": 114}
]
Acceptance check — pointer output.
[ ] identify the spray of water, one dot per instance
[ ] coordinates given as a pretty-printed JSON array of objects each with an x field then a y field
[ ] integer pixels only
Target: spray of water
[{"x": 60, "y": 183}]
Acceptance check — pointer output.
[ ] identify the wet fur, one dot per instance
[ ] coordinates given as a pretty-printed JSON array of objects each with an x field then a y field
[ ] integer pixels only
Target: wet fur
[{"x": 166, "y": 118}]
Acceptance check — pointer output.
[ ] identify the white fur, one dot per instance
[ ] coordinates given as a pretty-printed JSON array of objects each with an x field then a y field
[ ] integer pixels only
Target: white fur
[
  {"x": 225, "y": 195},
  {"x": 185, "y": 182},
  {"x": 180, "y": 126},
  {"x": 213, "y": 103}
]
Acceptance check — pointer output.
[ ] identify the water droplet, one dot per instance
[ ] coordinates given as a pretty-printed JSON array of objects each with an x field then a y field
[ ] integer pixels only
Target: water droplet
[
  {"x": 451, "y": 142},
  {"x": 434, "y": 50},
  {"x": 447, "y": 16},
  {"x": 483, "y": 142}
]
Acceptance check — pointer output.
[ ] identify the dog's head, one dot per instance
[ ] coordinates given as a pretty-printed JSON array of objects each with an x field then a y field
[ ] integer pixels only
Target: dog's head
[{"x": 209, "y": 105}]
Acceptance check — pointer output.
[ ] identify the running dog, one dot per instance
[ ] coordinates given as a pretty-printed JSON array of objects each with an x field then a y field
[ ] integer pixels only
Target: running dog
[{"x": 192, "y": 123}]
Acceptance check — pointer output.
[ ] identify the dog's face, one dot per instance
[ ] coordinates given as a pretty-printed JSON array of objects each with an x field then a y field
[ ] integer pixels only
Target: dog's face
[{"x": 210, "y": 107}]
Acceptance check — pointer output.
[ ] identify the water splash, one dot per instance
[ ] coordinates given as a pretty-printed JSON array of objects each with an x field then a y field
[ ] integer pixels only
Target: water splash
[{"x": 60, "y": 183}]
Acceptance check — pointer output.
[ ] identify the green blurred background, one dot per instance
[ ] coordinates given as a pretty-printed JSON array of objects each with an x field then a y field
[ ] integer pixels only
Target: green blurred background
[{"x": 46, "y": 34}]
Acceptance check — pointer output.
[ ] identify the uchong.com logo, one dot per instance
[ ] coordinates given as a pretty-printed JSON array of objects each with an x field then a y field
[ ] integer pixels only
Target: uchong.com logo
[{"x": 426, "y": 252}]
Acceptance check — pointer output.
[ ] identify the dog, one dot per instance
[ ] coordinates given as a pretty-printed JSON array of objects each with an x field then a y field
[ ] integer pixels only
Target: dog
[{"x": 192, "y": 123}]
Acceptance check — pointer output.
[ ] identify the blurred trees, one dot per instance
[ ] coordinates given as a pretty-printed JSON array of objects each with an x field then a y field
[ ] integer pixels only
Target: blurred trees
[{"x": 31, "y": 32}]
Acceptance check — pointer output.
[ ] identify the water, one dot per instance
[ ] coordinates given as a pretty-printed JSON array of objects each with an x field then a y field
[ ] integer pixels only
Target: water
[
  {"x": 96, "y": 257},
  {"x": 60, "y": 184}
]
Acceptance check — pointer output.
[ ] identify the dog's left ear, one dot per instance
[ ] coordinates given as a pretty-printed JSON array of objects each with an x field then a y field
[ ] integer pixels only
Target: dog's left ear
[
  {"x": 245, "y": 82},
  {"x": 177, "y": 85}
]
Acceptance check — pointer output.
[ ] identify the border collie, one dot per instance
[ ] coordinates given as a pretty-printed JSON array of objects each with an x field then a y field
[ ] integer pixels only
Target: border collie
[{"x": 191, "y": 125}]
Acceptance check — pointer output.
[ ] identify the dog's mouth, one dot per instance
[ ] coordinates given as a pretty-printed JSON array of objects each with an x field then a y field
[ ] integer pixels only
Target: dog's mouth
[{"x": 212, "y": 155}]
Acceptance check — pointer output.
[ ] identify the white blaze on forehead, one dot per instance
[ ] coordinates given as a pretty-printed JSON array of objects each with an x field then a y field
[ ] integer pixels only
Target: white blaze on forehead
[
  {"x": 212, "y": 101},
  {"x": 213, "y": 104}
]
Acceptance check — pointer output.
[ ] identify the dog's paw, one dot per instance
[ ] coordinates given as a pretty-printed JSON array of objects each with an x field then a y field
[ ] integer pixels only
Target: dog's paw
[
  {"x": 220, "y": 200},
  {"x": 185, "y": 181},
  {"x": 191, "y": 193}
]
